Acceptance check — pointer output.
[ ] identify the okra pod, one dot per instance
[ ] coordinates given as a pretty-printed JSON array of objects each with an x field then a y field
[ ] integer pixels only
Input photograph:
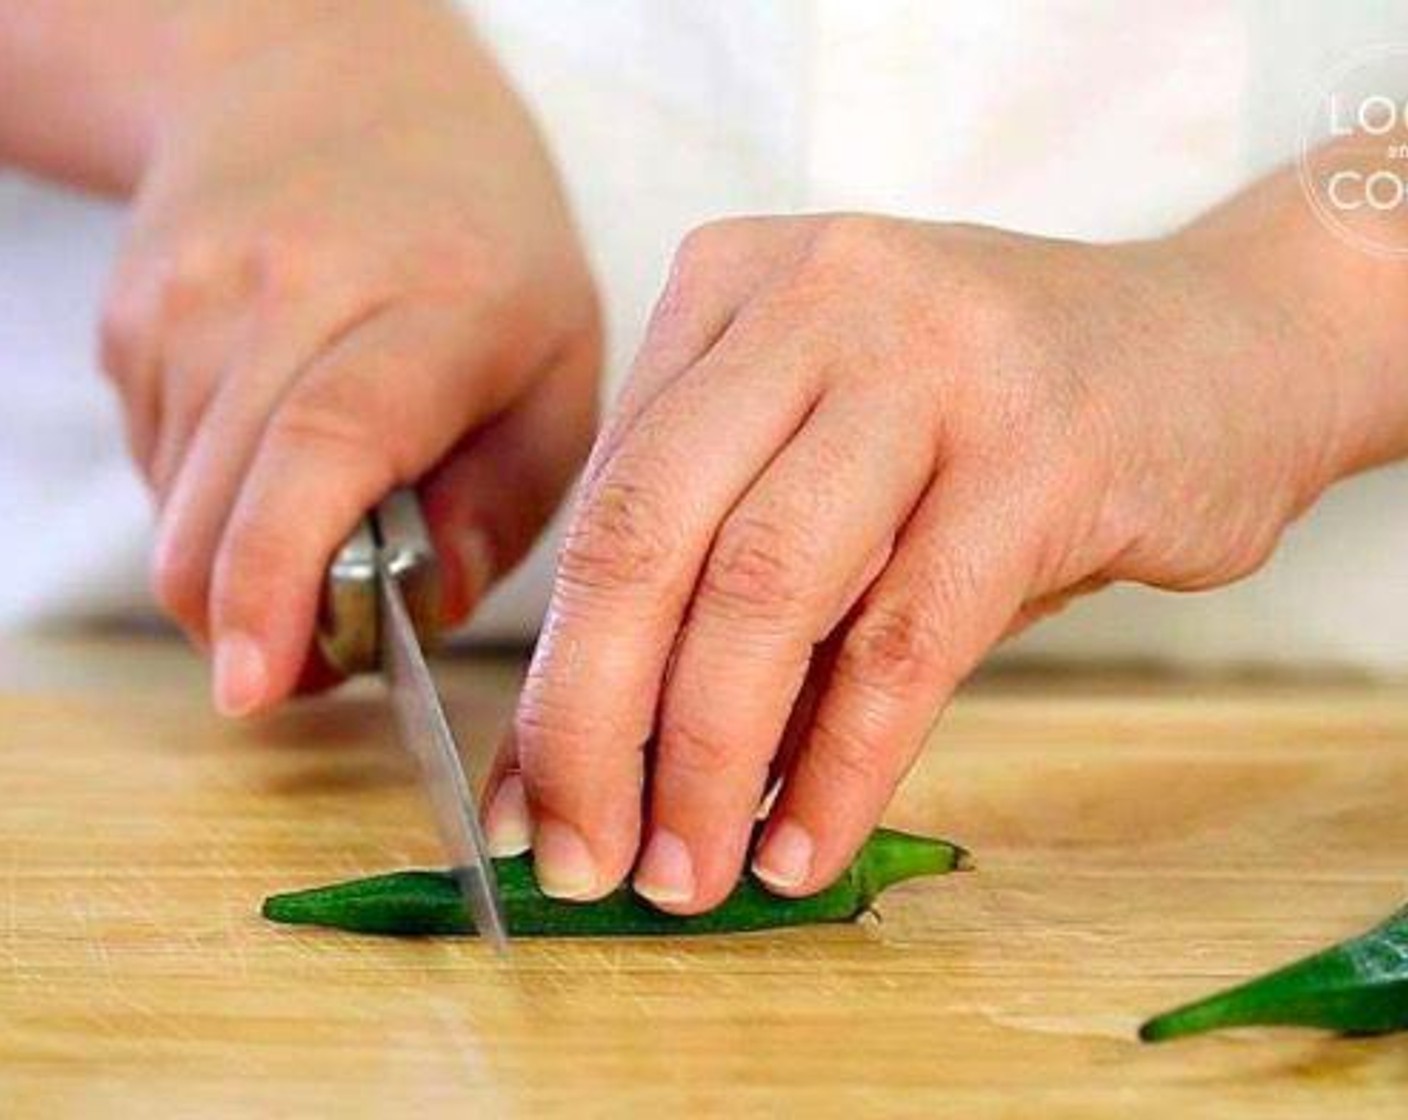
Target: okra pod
[
  {"x": 428, "y": 902},
  {"x": 1359, "y": 986}
]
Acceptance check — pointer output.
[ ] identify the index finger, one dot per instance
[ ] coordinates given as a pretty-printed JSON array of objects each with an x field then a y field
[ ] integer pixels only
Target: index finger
[
  {"x": 633, "y": 550},
  {"x": 377, "y": 410}
]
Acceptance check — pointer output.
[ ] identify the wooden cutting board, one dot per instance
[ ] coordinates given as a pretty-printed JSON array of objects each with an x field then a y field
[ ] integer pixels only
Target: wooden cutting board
[{"x": 1138, "y": 843}]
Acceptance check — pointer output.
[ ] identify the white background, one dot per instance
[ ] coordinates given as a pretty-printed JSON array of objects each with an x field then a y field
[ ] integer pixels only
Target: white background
[{"x": 1082, "y": 119}]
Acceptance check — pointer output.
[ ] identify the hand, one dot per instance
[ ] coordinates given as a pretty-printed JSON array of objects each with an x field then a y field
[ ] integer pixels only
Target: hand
[
  {"x": 349, "y": 266},
  {"x": 854, "y": 453}
]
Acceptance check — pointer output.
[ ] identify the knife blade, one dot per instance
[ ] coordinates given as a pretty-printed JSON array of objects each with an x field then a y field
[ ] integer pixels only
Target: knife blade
[{"x": 425, "y": 731}]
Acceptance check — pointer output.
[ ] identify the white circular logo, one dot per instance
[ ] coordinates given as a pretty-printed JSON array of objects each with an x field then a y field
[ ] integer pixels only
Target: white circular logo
[{"x": 1354, "y": 151}]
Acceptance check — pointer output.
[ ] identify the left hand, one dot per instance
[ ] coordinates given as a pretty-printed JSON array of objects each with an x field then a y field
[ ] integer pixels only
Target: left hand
[
  {"x": 349, "y": 266},
  {"x": 853, "y": 454}
]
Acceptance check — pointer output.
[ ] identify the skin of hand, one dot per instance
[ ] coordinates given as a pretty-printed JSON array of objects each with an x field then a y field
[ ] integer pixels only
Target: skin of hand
[
  {"x": 349, "y": 266},
  {"x": 854, "y": 453}
]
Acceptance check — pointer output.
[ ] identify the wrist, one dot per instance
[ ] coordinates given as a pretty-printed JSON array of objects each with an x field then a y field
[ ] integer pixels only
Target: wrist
[
  {"x": 287, "y": 60},
  {"x": 1334, "y": 320}
]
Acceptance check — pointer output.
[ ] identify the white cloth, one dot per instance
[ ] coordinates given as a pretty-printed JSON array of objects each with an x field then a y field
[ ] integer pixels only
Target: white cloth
[{"x": 1082, "y": 118}]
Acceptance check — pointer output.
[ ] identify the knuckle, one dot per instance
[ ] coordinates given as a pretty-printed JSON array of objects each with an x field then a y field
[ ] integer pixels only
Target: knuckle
[
  {"x": 558, "y": 747},
  {"x": 154, "y": 287},
  {"x": 843, "y": 240},
  {"x": 689, "y": 277},
  {"x": 302, "y": 256},
  {"x": 845, "y": 757},
  {"x": 891, "y": 649},
  {"x": 693, "y": 750},
  {"x": 178, "y": 586},
  {"x": 703, "y": 256},
  {"x": 711, "y": 243},
  {"x": 621, "y": 536},
  {"x": 286, "y": 259},
  {"x": 253, "y": 546},
  {"x": 304, "y": 421},
  {"x": 560, "y": 725},
  {"x": 185, "y": 274},
  {"x": 541, "y": 727},
  {"x": 758, "y": 568},
  {"x": 847, "y": 254},
  {"x": 296, "y": 254},
  {"x": 846, "y": 234},
  {"x": 956, "y": 584},
  {"x": 123, "y": 327},
  {"x": 245, "y": 568},
  {"x": 332, "y": 419}
]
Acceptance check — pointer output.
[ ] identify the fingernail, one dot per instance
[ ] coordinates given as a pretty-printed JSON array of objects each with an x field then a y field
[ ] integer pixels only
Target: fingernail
[
  {"x": 666, "y": 873},
  {"x": 240, "y": 675},
  {"x": 476, "y": 559},
  {"x": 786, "y": 859},
  {"x": 562, "y": 862},
  {"x": 507, "y": 826}
]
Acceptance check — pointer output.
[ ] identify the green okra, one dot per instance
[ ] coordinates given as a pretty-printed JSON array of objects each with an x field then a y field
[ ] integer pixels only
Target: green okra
[
  {"x": 428, "y": 902},
  {"x": 1359, "y": 986}
]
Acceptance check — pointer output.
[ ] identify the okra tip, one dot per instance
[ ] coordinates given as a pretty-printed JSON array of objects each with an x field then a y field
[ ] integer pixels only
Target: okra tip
[
  {"x": 1161, "y": 1028},
  {"x": 282, "y": 908},
  {"x": 1230, "y": 1008},
  {"x": 891, "y": 856}
]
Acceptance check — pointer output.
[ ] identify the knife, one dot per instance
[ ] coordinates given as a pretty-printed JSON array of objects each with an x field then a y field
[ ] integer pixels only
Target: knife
[{"x": 381, "y": 601}]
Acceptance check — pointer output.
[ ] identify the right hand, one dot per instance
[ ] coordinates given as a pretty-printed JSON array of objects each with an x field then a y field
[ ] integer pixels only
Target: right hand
[
  {"x": 855, "y": 451},
  {"x": 350, "y": 266}
]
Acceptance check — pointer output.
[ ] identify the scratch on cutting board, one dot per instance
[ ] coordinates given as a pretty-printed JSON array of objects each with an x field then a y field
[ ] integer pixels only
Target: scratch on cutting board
[
  {"x": 114, "y": 1012},
  {"x": 80, "y": 914},
  {"x": 465, "y": 1047},
  {"x": 12, "y": 946},
  {"x": 223, "y": 867}
]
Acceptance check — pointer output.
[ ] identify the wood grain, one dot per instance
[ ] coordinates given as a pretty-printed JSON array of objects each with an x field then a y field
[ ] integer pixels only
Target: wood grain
[{"x": 1137, "y": 842}]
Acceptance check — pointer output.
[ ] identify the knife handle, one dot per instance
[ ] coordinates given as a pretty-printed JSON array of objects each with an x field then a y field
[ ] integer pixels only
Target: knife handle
[{"x": 393, "y": 534}]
